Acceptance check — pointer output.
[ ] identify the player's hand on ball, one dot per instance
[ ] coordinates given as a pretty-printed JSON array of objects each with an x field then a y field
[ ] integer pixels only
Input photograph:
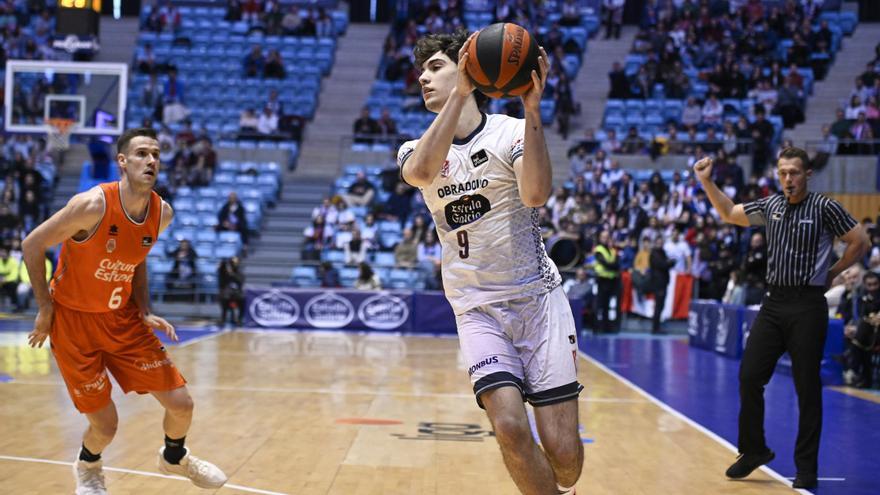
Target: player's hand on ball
[
  {"x": 160, "y": 323},
  {"x": 465, "y": 86},
  {"x": 42, "y": 327},
  {"x": 703, "y": 168},
  {"x": 532, "y": 98}
]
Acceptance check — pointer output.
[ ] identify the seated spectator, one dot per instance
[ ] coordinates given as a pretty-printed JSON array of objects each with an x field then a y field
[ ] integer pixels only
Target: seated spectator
[
  {"x": 291, "y": 23},
  {"x": 765, "y": 95},
  {"x": 578, "y": 286},
  {"x": 841, "y": 125},
  {"x": 231, "y": 218},
  {"x": 231, "y": 281},
  {"x": 578, "y": 159},
  {"x": 274, "y": 66},
  {"x": 275, "y": 104},
  {"x": 174, "y": 105},
  {"x": 170, "y": 17},
  {"x": 181, "y": 281},
  {"x": 854, "y": 108},
  {"x": 361, "y": 192},
  {"x": 387, "y": 126},
  {"x": 327, "y": 211},
  {"x": 254, "y": 63},
  {"x": 712, "y": 111},
  {"x": 429, "y": 258},
  {"x": 632, "y": 143},
  {"x": 365, "y": 128},
  {"x": 248, "y": 121},
  {"x": 399, "y": 204},
  {"x": 692, "y": 113},
  {"x": 272, "y": 19},
  {"x": 323, "y": 24},
  {"x": 611, "y": 144},
  {"x": 146, "y": 60},
  {"x": 316, "y": 236},
  {"x": 367, "y": 278},
  {"x": 406, "y": 251},
  {"x": 329, "y": 275},
  {"x": 355, "y": 249},
  {"x": 872, "y": 109},
  {"x": 861, "y": 131},
  {"x": 267, "y": 123},
  {"x": 233, "y": 11},
  {"x": 612, "y": 12}
]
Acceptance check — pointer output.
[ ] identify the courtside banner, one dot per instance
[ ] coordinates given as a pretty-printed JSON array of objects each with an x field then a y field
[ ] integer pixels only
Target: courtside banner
[{"x": 329, "y": 309}]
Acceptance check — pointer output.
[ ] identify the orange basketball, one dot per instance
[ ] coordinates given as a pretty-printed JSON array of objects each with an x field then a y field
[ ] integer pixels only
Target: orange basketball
[{"x": 501, "y": 59}]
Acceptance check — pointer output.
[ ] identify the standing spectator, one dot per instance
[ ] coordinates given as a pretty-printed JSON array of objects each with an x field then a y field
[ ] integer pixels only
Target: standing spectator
[
  {"x": 231, "y": 218},
  {"x": 618, "y": 82},
  {"x": 9, "y": 277},
  {"x": 231, "y": 281},
  {"x": 659, "y": 280},
  {"x": 613, "y": 13},
  {"x": 762, "y": 135},
  {"x": 754, "y": 269},
  {"x": 174, "y": 107},
  {"x": 365, "y": 128},
  {"x": 254, "y": 62},
  {"x": 367, "y": 279},
  {"x": 323, "y": 24},
  {"x": 233, "y": 11},
  {"x": 274, "y": 66},
  {"x": 607, "y": 269},
  {"x": 565, "y": 106},
  {"x": 251, "y": 11}
]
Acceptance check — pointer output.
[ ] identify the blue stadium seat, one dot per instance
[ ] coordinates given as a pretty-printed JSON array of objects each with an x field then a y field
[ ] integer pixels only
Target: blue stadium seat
[
  {"x": 382, "y": 258},
  {"x": 206, "y": 235},
  {"x": 333, "y": 256},
  {"x": 225, "y": 251}
]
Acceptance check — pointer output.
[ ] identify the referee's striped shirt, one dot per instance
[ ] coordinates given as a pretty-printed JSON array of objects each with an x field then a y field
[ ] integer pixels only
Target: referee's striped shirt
[{"x": 799, "y": 236}]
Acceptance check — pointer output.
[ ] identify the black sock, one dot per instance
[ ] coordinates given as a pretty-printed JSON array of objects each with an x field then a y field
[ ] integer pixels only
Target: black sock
[
  {"x": 174, "y": 450},
  {"x": 86, "y": 455}
]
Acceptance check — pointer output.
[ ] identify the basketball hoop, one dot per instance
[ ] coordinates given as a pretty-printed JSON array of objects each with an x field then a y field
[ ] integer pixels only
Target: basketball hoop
[{"x": 59, "y": 134}]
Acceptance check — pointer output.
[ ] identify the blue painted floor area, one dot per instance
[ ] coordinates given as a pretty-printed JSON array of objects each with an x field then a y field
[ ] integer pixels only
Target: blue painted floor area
[{"x": 704, "y": 386}]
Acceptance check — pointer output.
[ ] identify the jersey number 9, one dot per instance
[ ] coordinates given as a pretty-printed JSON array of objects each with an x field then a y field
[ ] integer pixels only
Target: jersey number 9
[{"x": 464, "y": 244}]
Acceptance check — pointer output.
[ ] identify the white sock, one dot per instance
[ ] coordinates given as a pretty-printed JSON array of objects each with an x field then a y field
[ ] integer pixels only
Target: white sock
[{"x": 565, "y": 491}]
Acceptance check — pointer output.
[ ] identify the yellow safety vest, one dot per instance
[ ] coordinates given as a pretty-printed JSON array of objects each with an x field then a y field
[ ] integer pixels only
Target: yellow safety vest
[{"x": 610, "y": 255}]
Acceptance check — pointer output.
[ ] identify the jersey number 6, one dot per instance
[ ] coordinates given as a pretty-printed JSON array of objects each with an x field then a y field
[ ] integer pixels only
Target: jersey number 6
[
  {"x": 464, "y": 244},
  {"x": 115, "y": 298}
]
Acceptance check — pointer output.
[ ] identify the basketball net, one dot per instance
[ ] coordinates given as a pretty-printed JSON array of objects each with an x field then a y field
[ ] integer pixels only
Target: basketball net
[{"x": 59, "y": 134}]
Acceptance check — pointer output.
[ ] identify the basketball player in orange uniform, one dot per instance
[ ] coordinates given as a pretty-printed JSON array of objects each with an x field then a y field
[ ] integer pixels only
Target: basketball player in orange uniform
[{"x": 97, "y": 311}]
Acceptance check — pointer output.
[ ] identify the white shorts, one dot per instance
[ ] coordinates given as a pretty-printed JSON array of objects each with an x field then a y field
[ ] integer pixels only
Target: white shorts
[{"x": 528, "y": 343}]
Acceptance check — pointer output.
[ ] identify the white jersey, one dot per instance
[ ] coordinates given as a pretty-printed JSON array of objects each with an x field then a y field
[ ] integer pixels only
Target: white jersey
[{"x": 492, "y": 246}]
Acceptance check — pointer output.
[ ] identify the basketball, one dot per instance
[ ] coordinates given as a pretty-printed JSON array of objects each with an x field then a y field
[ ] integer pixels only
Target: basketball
[{"x": 501, "y": 59}]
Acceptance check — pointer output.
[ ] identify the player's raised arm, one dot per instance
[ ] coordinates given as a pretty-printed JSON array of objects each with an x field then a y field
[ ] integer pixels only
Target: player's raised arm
[
  {"x": 534, "y": 173},
  {"x": 81, "y": 214},
  {"x": 433, "y": 147},
  {"x": 729, "y": 212}
]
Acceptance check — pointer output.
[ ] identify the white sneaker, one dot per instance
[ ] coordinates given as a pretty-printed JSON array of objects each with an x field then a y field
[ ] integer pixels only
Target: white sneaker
[
  {"x": 203, "y": 474},
  {"x": 89, "y": 477}
]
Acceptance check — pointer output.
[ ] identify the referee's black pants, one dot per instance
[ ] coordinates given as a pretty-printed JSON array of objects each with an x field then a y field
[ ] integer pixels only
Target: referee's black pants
[{"x": 793, "y": 320}]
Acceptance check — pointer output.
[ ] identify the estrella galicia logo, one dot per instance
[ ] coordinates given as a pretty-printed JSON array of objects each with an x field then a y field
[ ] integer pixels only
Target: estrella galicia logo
[
  {"x": 274, "y": 309},
  {"x": 485, "y": 362},
  {"x": 467, "y": 209},
  {"x": 479, "y": 158},
  {"x": 328, "y": 310},
  {"x": 383, "y": 311}
]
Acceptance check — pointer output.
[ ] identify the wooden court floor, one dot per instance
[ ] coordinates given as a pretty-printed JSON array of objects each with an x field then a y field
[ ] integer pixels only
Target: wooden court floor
[{"x": 342, "y": 413}]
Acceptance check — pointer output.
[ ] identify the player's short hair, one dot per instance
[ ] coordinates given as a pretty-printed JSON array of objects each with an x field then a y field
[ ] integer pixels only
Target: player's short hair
[
  {"x": 449, "y": 44},
  {"x": 129, "y": 134},
  {"x": 795, "y": 152}
]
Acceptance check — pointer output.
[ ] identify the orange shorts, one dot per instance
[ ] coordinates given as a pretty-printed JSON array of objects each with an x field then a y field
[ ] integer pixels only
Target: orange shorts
[{"x": 86, "y": 345}]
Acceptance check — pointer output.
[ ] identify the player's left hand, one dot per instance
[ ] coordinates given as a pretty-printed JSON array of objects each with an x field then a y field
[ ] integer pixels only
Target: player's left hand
[
  {"x": 532, "y": 98},
  {"x": 160, "y": 323}
]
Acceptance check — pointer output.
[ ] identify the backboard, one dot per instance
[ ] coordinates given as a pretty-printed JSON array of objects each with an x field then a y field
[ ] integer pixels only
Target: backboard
[{"x": 91, "y": 94}]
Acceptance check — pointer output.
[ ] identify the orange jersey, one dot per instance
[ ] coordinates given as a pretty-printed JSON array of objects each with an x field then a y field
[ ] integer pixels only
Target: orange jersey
[{"x": 94, "y": 275}]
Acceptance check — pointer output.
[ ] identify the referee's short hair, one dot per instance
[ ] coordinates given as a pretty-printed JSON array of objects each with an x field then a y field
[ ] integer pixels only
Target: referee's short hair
[{"x": 795, "y": 152}]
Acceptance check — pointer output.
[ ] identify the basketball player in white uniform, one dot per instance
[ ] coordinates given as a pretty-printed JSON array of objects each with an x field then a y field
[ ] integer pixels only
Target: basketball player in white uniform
[{"x": 482, "y": 177}]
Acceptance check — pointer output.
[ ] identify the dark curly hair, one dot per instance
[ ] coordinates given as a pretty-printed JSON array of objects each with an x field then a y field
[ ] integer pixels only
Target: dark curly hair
[{"x": 449, "y": 44}]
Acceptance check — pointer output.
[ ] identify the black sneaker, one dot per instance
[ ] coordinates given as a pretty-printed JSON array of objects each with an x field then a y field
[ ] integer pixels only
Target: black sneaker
[
  {"x": 746, "y": 463},
  {"x": 805, "y": 480}
]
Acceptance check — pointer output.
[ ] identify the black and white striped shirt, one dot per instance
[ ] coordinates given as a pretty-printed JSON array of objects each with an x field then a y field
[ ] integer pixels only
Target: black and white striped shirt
[{"x": 799, "y": 236}]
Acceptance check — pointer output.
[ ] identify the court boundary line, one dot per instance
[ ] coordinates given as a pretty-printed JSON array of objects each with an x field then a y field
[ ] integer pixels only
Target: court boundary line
[
  {"x": 681, "y": 416},
  {"x": 137, "y": 472},
  {"x": 196, "y": 340}
]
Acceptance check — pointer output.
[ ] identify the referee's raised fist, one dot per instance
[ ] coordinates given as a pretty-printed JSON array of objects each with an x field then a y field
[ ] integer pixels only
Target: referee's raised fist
[{"x": 703, "y": 168}]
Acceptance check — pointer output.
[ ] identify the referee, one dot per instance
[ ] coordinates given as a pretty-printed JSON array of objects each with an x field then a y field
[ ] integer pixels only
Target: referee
[{"x": 801, "y": 227}]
